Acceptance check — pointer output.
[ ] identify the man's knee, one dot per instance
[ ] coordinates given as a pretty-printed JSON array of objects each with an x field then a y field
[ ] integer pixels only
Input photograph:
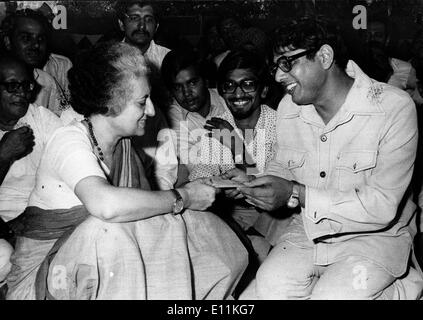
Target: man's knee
[
  {"x": 325, "y": 290},
  {"x": 283, "y": 275},
  {"x": 354, "y": 278}
]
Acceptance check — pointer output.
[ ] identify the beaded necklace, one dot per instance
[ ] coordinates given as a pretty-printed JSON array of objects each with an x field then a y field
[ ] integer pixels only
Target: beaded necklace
[{"x": 91, "y": 131}]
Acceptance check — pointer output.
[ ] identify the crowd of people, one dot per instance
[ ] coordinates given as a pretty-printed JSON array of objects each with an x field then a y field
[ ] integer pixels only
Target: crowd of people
[{"x": 250, "y": 167}]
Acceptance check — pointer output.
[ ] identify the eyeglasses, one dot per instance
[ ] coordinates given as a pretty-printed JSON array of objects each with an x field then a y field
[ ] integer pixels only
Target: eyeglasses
[
  {"x": 15, "y": 86},
  {"x": 245, "y": 85},
  {"x": 285, "y": 63},
  {"x": 135, "y": 18}
]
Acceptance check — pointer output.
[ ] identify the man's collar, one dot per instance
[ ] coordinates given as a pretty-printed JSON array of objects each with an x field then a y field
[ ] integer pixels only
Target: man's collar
[
  {"x": 214, "y": 109},
  {"x": 365, "y": 95},
  {"x": 150, "y": 46},
  {"x": 21, "y": 121}
]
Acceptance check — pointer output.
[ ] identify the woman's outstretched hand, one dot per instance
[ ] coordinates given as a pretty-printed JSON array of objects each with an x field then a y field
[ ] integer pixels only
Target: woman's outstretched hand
[{"x": 200, "y": 196}]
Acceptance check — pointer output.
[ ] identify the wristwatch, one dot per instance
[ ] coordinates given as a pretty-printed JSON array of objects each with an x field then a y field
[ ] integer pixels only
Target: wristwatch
[
  {"x": 178, "y": 205},
  {"x": 294, "y": 199}
]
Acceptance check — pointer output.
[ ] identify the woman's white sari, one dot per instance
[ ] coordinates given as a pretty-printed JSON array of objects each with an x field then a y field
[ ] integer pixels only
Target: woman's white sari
[{"x": 194, "y": 255}]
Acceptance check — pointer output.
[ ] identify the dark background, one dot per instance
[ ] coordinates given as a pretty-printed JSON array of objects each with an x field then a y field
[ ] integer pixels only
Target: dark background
[{"x": 89, "y": 21}]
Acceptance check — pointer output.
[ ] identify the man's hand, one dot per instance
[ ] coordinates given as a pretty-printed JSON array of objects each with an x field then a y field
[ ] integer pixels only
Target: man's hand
[
  {"x": 221, "y": 125},
  {"x": 237, "y": 175},
  {"x": 218, "y": 123},
  {"x": 268, "y": 192},
  {"x": 16, "y": 144}
]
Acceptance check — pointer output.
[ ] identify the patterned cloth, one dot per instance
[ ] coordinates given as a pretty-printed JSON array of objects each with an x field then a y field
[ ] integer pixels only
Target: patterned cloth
[
  {"x": 218, "y": 159},
  {"x": 259, "y": 145},
  {"x": 194, "y": 148}
]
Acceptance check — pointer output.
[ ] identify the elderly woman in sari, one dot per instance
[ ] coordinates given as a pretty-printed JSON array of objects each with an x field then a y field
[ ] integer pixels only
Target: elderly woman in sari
[{"x": 93, "y": 229}]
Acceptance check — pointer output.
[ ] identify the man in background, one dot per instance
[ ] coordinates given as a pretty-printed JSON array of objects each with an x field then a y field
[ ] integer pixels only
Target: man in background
[
  {"x": 139, "y": 21},
  {"x": 192, "y": 105},
  {"x": 26, "y": 35},
  {"x": 24, "y": 131}
]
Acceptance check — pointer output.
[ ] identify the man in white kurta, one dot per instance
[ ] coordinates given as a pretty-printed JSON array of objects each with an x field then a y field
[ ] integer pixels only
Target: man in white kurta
[
  {"x": 20, "y": 179},
  {"x": 24, "y": 131}
]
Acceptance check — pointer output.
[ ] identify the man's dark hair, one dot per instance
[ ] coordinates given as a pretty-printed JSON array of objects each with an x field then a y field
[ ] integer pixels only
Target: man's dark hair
[
  {"x": 122, "y": 6},
  {"x": 243, "y": 59},
  {"x": 311, "y": 33},
  {"x": 180, "y": 59},
  {"x": 9, "y": 24}
]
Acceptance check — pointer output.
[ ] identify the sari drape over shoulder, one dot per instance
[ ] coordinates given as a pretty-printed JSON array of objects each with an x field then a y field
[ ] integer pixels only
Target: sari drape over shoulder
[{"x": 190, "y": 256}]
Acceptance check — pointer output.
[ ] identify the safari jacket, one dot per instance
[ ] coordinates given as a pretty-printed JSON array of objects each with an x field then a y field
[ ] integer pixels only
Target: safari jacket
[{"x": 356, "y": 169}]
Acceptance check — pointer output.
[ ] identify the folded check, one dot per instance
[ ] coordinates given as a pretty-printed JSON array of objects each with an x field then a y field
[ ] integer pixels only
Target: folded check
[{"x": 219, "y": 182}]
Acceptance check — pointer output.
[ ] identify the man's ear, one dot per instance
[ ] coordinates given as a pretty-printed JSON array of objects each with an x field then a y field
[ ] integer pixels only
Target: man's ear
[
  {"x": 264, "y": 92},
  {"x": 121, "y": 26},
  {"x": 326, "y": 56},
  {"x": 7, "y": 44}
]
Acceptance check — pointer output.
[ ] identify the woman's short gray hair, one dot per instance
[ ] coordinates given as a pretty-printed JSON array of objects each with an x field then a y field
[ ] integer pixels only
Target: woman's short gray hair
[
  {"x": 99, "y": 80},
  {"x": 131, "y": 64}
]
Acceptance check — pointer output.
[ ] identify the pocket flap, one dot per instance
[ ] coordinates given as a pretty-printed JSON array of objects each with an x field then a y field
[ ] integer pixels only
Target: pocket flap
[
  {"x": 292, "y": 159},
  {"x": 356, "y": 161}
]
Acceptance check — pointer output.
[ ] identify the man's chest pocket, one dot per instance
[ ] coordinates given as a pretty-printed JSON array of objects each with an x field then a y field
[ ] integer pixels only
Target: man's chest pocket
[
  {"x": 354, "y": 167},
  {"x": 293, "y": 161}
]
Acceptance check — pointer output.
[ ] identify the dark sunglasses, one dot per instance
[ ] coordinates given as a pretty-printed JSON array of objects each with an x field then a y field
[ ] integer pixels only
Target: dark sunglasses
[
  {"x": 285, "y": 63},
  {"x": 245, "y": 85},
  {"x": 15, "y": 86}
]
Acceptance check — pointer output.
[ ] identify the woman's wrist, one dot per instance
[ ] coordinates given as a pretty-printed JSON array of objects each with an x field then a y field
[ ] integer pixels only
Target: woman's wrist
[{"x": 185, "y": 196}]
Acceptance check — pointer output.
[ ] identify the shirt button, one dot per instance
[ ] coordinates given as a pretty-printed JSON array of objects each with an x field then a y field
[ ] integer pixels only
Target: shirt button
[
  {"x": 323, "y": 138},
  {"x": 322, "y": 174}
]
